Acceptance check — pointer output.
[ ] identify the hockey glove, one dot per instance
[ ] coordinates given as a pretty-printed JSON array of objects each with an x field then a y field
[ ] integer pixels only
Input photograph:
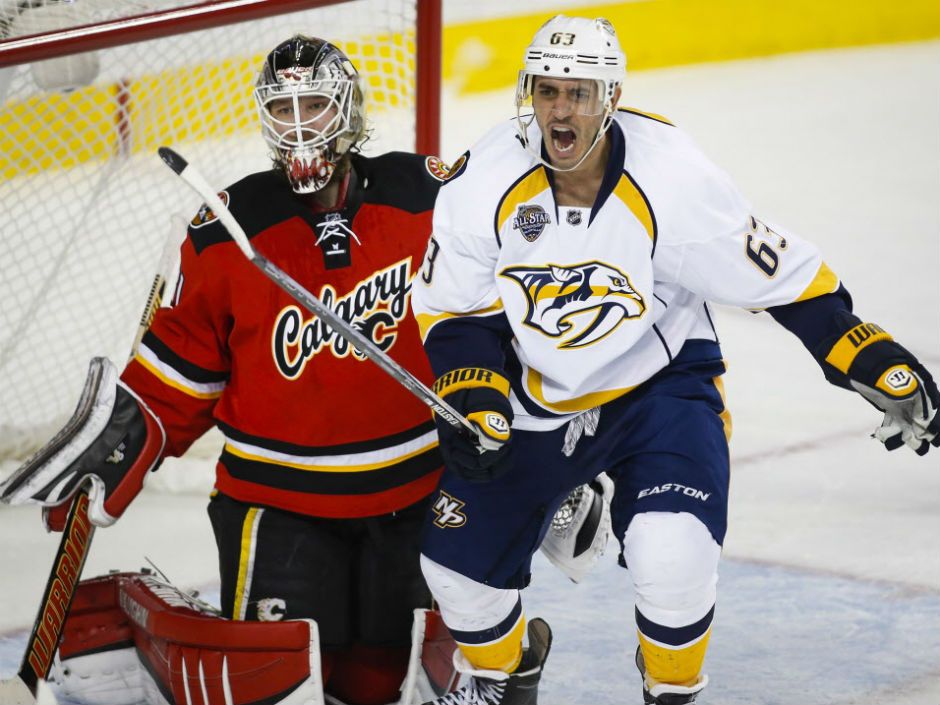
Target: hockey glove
[
  {"x": 894, "y": 382},
  {"x": 482, "y": 396},
  {"x": 580, "y": 528},
  {"x": 109, "y": 444}
]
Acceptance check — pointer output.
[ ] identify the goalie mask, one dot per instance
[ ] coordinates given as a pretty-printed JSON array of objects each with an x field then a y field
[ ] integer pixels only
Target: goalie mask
[
  {"x": 311, "y": 107},
  {"x": 586, "y": 54}
]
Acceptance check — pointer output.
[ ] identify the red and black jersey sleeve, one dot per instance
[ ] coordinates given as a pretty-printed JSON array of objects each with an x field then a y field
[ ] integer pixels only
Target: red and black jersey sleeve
[
  {"x": 183, "y": 362},
  {"x": 311, "y": 425}
]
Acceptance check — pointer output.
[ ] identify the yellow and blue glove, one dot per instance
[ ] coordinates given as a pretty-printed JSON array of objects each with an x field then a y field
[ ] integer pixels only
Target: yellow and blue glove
[
  {"x": 893, "y": 381},
  {"x": 482, "y": 396}
]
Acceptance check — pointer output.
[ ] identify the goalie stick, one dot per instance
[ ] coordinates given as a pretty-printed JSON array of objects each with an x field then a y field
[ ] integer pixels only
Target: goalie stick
[
  {"x": 191, "y": 176},
  {"x": 73, "y": 548}
]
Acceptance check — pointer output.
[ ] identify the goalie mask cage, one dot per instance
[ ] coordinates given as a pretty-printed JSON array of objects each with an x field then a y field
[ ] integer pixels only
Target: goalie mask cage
[{"x": 86, "y": 202}]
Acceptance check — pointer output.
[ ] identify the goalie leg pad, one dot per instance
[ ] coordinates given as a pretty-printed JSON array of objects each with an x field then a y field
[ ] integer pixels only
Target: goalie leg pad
[
  {"x": 184, "y": 649},
  {"x": 111, "y": 442}
]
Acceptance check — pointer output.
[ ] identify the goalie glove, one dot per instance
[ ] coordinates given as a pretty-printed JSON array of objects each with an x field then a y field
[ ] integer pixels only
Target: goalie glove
[
  {"x": 482, "y": 396},
  {"x": 580, "y": 528},
  {"x": 110, "y": 443},
  {"x": 894, "y": 382}
]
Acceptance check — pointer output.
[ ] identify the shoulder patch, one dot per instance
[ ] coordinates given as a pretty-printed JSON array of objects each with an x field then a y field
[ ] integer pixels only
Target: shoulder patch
[
  {"x": 205, "y": 214},
  {"x": 436, "y": 168},
  {"x": 458, "y": 167}
]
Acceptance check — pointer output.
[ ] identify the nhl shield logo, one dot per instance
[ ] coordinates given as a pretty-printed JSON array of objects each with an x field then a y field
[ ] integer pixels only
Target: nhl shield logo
[
  {"x": 531, "y": 221},
  {"x": 573, "y": 217}
]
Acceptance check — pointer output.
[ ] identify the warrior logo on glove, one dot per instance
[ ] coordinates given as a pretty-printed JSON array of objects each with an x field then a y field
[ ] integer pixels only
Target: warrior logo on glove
[{"x": 898, "y": 380}]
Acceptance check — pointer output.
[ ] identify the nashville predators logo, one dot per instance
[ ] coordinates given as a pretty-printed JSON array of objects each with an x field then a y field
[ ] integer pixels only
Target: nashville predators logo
[
  {"x": 580, "y": 303},
  {"x": 447, "y": 512}
]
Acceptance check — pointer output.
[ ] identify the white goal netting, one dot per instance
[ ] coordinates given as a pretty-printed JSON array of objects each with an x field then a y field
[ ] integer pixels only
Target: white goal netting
[{"x": 86, "y": 203}]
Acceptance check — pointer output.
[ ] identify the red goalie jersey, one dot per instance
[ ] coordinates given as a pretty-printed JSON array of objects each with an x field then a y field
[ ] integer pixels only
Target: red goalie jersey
[{"x": 310, "y": 425}]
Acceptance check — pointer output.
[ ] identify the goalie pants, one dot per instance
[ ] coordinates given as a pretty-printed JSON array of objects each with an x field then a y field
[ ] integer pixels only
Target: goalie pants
[{"x": 358, "y": 578}]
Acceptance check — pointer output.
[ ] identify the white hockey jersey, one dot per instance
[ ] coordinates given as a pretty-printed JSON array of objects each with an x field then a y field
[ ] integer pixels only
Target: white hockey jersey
[{"x": 598, "y": 299}]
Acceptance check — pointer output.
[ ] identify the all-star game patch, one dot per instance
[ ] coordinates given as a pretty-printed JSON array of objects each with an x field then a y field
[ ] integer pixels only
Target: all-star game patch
[
  {"x": 436, "y": 168},
  {"x": 531, "y": 220},
  {"x": 205, "y": 214}
]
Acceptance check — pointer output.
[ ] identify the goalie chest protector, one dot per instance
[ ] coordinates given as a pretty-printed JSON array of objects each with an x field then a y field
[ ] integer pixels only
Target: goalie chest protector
[{"x": 311, "y": 425}]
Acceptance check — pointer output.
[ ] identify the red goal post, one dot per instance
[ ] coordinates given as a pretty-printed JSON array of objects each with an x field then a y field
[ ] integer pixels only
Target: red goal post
[{"x": 88, "y": 90}]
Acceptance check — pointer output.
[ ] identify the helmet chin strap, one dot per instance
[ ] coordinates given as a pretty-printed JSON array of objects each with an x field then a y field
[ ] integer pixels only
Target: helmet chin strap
[{"x": 523, "y": 128}]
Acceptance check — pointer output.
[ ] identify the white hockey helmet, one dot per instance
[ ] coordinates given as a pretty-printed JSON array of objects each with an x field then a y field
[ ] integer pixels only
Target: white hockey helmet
[
  {"x": 574, "y": 48},
  {"x": 310, "y": 103}
]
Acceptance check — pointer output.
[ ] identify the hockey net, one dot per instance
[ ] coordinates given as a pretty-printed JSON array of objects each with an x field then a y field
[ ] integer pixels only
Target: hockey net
[{"x": 86, "y": 203}]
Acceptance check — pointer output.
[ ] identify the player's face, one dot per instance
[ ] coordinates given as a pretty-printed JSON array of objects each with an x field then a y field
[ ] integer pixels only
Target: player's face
[
  {"x": 569, "y": 112},
  {"x": 314, "y": 113}
]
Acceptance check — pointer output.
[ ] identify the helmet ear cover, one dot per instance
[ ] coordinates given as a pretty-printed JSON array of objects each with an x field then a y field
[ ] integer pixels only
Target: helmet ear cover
[{"x": 319, "y": 100}]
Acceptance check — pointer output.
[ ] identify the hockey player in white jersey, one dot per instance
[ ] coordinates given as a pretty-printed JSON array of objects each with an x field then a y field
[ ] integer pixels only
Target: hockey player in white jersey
[{"x": 564, "y": 304}]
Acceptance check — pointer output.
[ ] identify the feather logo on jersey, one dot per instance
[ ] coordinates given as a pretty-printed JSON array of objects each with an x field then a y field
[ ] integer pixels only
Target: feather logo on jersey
[
  {"x": 374, "y": 307},
  {"x": 531, "y": 220},
  {"x": 205, "y": 214},
  {"x": 579, "y": 303}
]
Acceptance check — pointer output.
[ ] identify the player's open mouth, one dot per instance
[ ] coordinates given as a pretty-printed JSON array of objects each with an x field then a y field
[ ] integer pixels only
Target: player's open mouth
[{"x": 563, "y": 139}]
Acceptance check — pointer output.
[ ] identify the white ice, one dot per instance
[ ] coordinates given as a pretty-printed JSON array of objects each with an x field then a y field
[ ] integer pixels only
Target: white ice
[{"x": 830, "y": 583}]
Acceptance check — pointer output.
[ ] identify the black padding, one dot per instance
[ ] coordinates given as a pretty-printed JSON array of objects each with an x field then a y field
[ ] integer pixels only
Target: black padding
[{"x": 391, "y": 585}]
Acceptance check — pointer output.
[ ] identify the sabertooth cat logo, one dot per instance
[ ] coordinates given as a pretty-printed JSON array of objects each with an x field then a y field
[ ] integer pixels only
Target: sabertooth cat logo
[
  {"x": 579, "y": 303},
  {"x": 531, "y": 220}
]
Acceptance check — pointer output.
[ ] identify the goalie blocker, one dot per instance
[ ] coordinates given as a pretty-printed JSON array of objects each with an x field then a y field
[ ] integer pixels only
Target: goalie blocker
[
  {"x": 132, "y": 638},
  {"x": 110, "y": 444}
]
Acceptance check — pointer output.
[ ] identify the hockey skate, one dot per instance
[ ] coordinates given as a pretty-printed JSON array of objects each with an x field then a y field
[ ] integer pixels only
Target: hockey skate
[
  {"x": 498, "y": 688},
  {"x": 667, "y": 693}
]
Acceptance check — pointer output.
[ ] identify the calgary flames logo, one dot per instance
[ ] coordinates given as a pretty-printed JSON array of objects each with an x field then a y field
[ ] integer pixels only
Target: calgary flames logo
[
  {"x": 580, "y": 303},
  {"x": 374, "y": 307}
]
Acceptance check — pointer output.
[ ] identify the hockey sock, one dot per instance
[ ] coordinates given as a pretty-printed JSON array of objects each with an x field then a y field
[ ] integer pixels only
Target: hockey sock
[{"x": 673, "y": 655}]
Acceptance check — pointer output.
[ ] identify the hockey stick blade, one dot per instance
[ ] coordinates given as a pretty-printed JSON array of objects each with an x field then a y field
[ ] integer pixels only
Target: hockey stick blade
[
  {"x": 191, "y": 176},
  {"x": 13, "y": 691},
  {"x": 56, "y": 600}
]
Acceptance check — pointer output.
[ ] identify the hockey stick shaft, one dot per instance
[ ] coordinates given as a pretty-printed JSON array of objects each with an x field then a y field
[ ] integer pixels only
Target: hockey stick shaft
[
  {"x": 168, "y": 259},
  {"x": 191, "y": 176}
]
